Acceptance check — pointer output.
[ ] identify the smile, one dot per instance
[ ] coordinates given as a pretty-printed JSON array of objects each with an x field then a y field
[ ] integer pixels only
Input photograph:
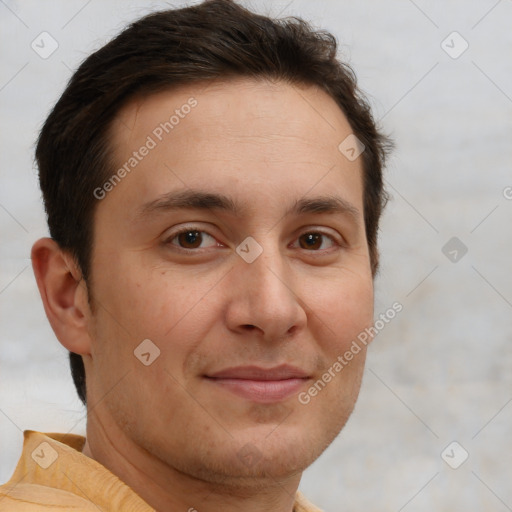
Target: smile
[{"x": 260, "y": 384}]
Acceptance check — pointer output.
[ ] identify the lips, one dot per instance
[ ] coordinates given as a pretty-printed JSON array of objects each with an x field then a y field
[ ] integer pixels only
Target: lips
[
  {"x": 264, "y": 385},
  {"x": 257, "y": 373}
]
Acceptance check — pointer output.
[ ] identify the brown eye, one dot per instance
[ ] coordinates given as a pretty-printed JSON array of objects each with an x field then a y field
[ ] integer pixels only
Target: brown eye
[
  {"x": 190, "y": 238},
  {"x": 313, "y": 240}
]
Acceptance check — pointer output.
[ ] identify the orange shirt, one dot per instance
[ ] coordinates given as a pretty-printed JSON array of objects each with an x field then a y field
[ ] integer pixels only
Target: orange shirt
[{"x": 54, "y": 474}]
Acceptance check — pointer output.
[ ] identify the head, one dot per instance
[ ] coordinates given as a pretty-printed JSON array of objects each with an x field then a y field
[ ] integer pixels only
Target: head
[{"x": 205, "y": 214}]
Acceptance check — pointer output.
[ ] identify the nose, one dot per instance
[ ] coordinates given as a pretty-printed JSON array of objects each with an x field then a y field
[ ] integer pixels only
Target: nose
[{"x": 265, "y": 296}]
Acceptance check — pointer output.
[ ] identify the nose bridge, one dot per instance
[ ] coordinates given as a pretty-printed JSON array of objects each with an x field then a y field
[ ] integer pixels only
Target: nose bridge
[
  {"x": 264, "y": 294},
  {"x": 267, "y": 272}
]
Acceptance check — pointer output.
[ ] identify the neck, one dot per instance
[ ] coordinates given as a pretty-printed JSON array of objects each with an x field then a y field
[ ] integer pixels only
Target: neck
[{"x": 164, "y": 487}]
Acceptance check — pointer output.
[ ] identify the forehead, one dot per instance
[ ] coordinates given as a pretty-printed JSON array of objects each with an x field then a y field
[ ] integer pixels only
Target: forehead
[
  {"x": 236, "y": 109},
  {"x": 252, "y": 136}
]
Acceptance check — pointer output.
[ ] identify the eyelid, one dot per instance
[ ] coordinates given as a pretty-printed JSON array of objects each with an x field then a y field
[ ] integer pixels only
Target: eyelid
[
  {"x": 312, "y": 229},
  {"x": 338, "y": 243},
  {"x": 186, "y": 229}
]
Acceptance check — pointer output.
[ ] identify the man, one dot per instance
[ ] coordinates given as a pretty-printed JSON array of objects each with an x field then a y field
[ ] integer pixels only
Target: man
[{"x": 213, "y": 185}]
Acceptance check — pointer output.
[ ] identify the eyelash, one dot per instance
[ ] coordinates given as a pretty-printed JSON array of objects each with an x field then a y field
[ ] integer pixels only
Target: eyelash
[{"x": 187, "y": 229}]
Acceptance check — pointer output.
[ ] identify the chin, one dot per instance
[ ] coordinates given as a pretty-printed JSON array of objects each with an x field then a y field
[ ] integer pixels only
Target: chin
[{"x": 287, "y": 451}]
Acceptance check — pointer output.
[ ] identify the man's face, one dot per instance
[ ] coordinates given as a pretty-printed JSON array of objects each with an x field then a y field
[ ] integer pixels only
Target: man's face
[{"x": 209, "y": 307}]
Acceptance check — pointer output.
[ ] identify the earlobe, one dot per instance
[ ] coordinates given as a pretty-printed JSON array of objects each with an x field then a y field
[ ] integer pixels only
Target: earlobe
[{"x": 64, "y": 294}]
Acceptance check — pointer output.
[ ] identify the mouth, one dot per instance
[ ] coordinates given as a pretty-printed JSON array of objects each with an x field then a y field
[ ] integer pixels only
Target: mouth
[{"x": 263, "y": 385}]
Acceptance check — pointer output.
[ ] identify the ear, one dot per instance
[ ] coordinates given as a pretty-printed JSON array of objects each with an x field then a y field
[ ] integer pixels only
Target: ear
[{"x": 64, "y": 294}]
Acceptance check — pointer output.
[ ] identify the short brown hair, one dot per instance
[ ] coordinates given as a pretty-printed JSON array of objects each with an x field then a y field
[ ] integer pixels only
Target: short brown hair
[{"x": 217, "y": 39}]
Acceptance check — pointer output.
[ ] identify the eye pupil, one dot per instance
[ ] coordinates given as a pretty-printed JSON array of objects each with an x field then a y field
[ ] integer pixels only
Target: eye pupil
[
  {"x": 312, "y": 239},
  {"x": 191, "y": 238}
]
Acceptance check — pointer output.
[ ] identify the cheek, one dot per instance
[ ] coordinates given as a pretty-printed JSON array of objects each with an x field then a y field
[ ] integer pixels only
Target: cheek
[
  {"x": 141, "y": 301},
  {"x": 156, "y": 304},
  {"x": 344, "y": 312}
]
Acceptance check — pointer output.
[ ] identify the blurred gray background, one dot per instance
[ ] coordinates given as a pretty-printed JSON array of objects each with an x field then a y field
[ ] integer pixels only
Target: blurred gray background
[{"x": 439, "y": 77}]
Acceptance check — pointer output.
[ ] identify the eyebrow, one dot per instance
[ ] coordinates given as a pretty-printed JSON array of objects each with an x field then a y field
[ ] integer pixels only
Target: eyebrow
[{"x": 200, "y": 200}]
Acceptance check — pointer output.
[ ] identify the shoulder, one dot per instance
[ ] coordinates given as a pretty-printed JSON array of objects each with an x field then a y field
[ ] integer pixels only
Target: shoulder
[
  {"x": 302, "y": 504},
  {"x": 25, "y": 497}
]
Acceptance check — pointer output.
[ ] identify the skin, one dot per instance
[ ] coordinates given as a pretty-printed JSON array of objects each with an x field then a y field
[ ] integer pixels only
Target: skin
[{"x": 167, "y": 431}]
